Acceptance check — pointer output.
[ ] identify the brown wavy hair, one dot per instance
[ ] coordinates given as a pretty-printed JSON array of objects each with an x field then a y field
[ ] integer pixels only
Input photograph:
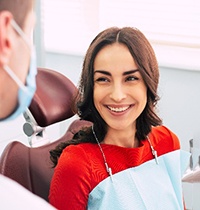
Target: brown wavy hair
[{"x": 144, "y": 56}]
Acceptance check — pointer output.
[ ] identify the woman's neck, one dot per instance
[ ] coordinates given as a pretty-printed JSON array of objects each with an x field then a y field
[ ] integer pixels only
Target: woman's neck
[{"x": 121, "y": 138}]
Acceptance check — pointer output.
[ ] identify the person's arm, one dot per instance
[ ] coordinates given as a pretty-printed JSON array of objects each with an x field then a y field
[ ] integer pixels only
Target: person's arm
[
  {"x": 15, "y": 196},
  {"x": 70, "y": 184}
]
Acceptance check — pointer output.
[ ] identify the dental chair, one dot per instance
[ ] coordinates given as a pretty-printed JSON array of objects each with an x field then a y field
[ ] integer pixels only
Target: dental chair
[
  {"x": 192, "y": 174},
  {"x": 30, "y": 165}
]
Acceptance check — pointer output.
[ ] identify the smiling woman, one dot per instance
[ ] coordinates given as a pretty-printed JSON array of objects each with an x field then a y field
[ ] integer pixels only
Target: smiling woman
[{"x": 126, "y": 159}]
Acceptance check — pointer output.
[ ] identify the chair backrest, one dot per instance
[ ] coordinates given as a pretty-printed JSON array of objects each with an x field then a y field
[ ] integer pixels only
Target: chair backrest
[
  {"x": 31, "y": 167},
  {"x": 52, "y": 101}
]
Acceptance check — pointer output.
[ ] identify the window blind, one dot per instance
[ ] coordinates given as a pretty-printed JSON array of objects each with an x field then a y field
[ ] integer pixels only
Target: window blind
[
  {"x": 175, "y": 22},
  {"x": 69, "y": 26}
]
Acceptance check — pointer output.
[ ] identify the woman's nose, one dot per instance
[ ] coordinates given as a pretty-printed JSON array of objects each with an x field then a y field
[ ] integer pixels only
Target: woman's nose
[{"x": 117, "y": 93}]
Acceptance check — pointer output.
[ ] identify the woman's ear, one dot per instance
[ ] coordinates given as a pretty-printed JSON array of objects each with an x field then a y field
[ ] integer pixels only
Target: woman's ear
[{"x": 5, "y": 37}]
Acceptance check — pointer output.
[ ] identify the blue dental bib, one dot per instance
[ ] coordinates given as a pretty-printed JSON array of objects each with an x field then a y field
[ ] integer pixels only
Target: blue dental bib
[{"x": 149, "y": 186}]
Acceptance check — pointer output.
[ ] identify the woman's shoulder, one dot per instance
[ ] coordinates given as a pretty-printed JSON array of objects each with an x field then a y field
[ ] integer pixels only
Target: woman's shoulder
[
  {"x": 164, "y": 131},
  {"x": 164, "y": 137},
  {"x": 79, "y": 148},
  {"x": 79, "y": 153},
  {"x": 75, "y": 158}
]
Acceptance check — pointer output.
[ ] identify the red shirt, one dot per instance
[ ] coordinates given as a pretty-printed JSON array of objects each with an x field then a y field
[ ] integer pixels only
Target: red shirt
[{"x": 81, "y": 167}]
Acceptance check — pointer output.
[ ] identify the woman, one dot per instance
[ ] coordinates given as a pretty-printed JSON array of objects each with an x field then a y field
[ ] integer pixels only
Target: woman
[{"x": 126, "y": 160}]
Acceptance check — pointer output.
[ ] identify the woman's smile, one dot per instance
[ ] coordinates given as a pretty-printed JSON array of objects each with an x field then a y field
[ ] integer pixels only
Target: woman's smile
[{"x": 118, "y": 108}]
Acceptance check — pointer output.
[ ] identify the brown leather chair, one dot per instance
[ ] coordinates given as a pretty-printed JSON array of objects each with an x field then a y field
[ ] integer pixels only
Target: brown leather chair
[{"x": 31, "y": 167}]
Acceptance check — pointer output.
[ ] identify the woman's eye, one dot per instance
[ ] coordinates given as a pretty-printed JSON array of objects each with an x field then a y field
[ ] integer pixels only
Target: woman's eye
[
  {"x": 131, "y": 78},
  {"x": 101, "y": 79}
]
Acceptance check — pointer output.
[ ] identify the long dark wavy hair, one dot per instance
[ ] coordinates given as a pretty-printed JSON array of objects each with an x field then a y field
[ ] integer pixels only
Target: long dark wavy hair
[{"x": 145, "y": 59}]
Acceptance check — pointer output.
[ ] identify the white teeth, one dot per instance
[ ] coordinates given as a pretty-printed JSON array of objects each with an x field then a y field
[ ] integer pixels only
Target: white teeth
[{"x": 119, "y": 109}]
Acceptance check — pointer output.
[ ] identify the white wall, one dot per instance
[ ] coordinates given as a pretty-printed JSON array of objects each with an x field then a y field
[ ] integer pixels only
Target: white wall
[{"x": 180, "y": 102}]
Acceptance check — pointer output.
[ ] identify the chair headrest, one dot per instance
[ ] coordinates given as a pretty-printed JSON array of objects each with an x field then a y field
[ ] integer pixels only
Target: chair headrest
[{"x": 53, "y": 98}]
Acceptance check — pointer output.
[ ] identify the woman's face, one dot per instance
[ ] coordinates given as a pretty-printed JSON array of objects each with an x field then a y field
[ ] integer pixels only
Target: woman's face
[{"x": 120, "y": 94}]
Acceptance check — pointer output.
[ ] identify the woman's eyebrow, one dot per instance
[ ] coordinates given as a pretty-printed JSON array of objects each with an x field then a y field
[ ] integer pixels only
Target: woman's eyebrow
[
  {"x": 102, "y": 72},
  {"x": 130, "y": 72},
  {"x": 109, "y": 74}
]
